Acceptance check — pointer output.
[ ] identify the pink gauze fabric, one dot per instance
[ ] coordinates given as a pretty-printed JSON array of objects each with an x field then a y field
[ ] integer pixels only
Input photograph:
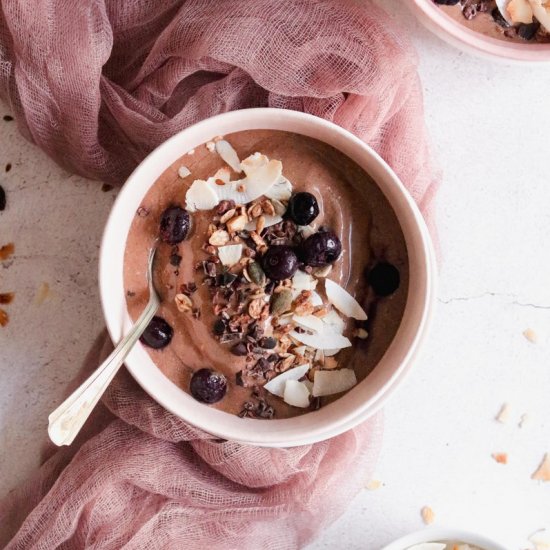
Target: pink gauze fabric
[{"x": 97, "y": 85}]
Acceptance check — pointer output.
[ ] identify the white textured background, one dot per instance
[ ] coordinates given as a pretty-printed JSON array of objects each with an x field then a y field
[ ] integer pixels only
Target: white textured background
[{"x": 490, "y": 126}]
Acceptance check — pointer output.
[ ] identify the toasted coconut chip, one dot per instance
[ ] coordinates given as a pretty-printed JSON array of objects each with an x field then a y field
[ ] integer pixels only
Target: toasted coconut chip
[
  {"x": 230, "y": 254},
  {"x": 518, "y": 11},
  {"x": 303, "y": 281},
  {"x": 269, "y": 221},
  {"x": 330, "y": 352},
  {"x": 324, "y": 340},
  {"x": 504, "y": 414},
  {"x": 543, "y": 471},
  {"x": 343, "y": 301},
  {"x": 530, "y": 335},
  {"x": 279, "y": 207},
  {"x": 229, "y": 155},
  {"x": 541, "y": 539},
  {"x": 334, "y": 321},
  {"x": 329, "y": 382},
  {"x": 296, "y": 394},
  {"x": 309, "y": 322},
  {"x": 281, "y": 191},
  {"x": 183, "y": 171},
  {"x": 276, "y": 385},
  {"x": 428, "y": 546},
  {"x": 306, "y": 230},
  {"x": 315, "y": 299},
  {"x": 200, "y": 197},
  {"x": 223, "y": 174},
  {"x": 541, "y": 9}
]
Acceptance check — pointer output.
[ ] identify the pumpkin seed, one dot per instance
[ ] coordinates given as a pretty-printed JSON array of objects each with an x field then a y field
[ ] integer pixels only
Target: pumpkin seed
[
  {"x": 281, "y": 302},
  {"x": 256, "y": 274}
]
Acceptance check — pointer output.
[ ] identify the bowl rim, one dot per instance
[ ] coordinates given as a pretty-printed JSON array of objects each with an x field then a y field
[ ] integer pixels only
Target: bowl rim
[
  {"x": 281, "y": 433},
  {"x": 460, "y": 36},
  {"x": 434, "y": 534}
]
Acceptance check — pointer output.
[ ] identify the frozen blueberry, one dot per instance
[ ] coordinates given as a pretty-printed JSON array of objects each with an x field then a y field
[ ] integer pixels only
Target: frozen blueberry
[
  {"x": 321, "y": 249},
  {"x": 280, "y": 262},
  {"x": 174, "y": 225},
  {"x": 384, "y": 279},
  {"x": 303, "y": 208},
  {"x": 158, "y": 333},
  {"x": 208, "y": 386}
]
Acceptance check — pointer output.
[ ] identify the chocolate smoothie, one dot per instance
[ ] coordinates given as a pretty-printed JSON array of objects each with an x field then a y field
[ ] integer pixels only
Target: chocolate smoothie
[
  {"x": 224, "y": 331},
  {"x": 484, "y": 16}
]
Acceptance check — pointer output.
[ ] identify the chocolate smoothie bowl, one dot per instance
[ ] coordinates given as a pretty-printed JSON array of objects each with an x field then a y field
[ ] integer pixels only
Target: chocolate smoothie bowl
[{"x": 285, "y": 274}]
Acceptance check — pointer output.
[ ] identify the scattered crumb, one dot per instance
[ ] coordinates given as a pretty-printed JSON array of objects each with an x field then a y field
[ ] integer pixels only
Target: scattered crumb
[
  {"x": 6, "y": 297},
  {"x": 501, "y": 458},
  {"x": 6, "y": 251},
  {"x": 543, "y": 471},
  {"x": 4, "y": 318},
  {"x": 373, "y": 484},
  {"x": 504, "y": 414},
  {"x": 42, "y": 294},
  {"x": 8, "y": 167},
  {"x": 525, "y": 420},
  {"x": 191, "y": 152},
  {"x": 530, "y": 335},
  {"x": 428, "y": 515},
  {"x": 8, "y": 118},
  {"x": 106, "y": 187},
  {"x": 211, "y": 146},
  {"x": 183, "y": 171}
]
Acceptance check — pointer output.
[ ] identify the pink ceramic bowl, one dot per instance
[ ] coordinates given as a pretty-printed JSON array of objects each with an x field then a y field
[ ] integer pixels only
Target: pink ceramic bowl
[
  {"x": 363, "y": 400},
  {"x": 473, "y": 42}
]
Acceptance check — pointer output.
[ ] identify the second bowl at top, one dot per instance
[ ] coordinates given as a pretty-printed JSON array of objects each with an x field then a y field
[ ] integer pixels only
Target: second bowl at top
[{"x": 156, "y": 184}]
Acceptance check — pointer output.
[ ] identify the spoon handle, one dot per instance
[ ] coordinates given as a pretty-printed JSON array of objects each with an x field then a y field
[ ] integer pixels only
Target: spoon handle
[{"x": 67, "y": 420}]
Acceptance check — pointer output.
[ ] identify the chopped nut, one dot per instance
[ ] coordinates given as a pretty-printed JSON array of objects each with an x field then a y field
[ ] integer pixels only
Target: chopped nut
[
  {"x": 286, "y": 363},
  {"x": 219, "y": 238},
  {"x": 530, "y": 335},
  {"x": 260, "y": 224},
  {"x": 501, "y": 458},
  {"x": 373, "y": 484},
  {"x": 237, "y": 223},
  {"x": 255, "y": 308},
  {"x": 211, "y": 229},
  {"x": 330, "y": 363},
  {"x": 428, "y": 515},
  {"x": 210, "y": 145},
  {"x": 302, "y": 304},
  {"x": 224, "y": 206},
  {"x": 227, "y": 216},
  {"x": 504, "y": 414},
  {"x": 258, "y": 241},
  {"x": 543, "y": 471},
  {"x": 267, "y": 207},
  {"x": 241, "y": 188},
  {"x": 255, "y": 211},
  {"x": 183, "y": 303},
  {"x": 361, "y": 333}
]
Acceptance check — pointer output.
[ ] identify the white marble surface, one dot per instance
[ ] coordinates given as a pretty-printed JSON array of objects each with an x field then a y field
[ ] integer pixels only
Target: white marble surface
[{"x": 490, "y": 126}]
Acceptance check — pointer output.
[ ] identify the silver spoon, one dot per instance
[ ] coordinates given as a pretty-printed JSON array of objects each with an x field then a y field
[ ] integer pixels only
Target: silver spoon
[{"x": 67, "y": 420}]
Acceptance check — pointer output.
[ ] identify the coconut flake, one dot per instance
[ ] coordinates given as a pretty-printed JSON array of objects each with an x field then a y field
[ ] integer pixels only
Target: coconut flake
[
  {"x": 315, "y": 299},
  {"x": 306, "y": 230},
  {"x": 228, "y": 154},
  {"x": 323, "y": 340},
  {"x": 269, "y": 221},
  {"x": 330, "y": 352},
  {"x": 303, "y": 281},
  {"x": 344, "y": 301},
  {"x": 183, "y": 171},
  {"x": 428, "y": 546},
  {"x": 282, "y": 190},
  {"x": 309, "y": 322},
  {"x": 541, "y": 11},
  {"x": 296, "y": 394},
  {"x": 279, "y": 207},
  {"x": 200, "y": 196},
  {"x": 334, "y": 321},
  {"x": 211, "y": 146},
  {"x": 329, "y": 382},
  {"x": 276, "y": 385},
  {"x": 230, "y": 254}
]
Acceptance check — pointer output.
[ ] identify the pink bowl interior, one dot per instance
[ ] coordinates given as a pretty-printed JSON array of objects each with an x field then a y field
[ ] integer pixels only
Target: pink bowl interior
[
  {"x": 458, "y": 35},
  {"x": 366, "y": 397}
]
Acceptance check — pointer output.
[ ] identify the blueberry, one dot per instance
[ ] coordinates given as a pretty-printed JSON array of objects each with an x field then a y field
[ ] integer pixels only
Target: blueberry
[
  {"x": 384, "y": 279},
  {"x": 158, "y": 333},
  {"x": 174, "y": 225},
  {"x": 208, "y": 386},
  {"x": 303, "y": 208},
  {"x": 280, "y": 262},
  {"x": 321, "y": 249},
  {"x": 528, "y": 31}
]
